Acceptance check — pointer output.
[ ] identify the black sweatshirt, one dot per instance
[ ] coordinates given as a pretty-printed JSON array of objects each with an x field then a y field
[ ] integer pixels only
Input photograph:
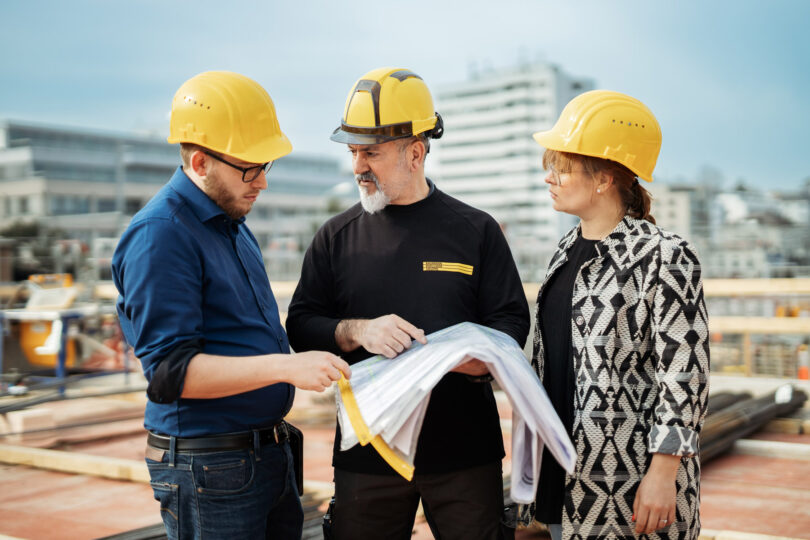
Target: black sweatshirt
[{"x": 363, "y": 266}]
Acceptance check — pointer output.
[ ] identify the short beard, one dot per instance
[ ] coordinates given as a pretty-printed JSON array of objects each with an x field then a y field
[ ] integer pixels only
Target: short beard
[
  {"x": 216, "y": 191},
  {"x": 372, "y": 203}
]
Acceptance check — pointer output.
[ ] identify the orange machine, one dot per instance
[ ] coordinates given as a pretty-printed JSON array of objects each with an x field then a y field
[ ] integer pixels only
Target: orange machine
[{"x": 40, "y": 339}]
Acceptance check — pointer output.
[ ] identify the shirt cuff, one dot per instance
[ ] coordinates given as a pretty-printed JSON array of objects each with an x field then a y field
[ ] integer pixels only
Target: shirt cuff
[
  {"x": 480, "y": 379},
  {"x": 166, "y": 384},
  {"x": 673, "y": 440}
]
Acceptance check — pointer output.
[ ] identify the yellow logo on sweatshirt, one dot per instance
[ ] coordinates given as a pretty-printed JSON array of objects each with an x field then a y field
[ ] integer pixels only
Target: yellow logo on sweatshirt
[{"x": 430, "y": 266}]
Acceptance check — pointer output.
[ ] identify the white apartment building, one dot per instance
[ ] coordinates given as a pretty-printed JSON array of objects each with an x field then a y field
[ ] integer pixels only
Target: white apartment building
[
  {"x": 671, "y": 208},
  {"x": 89, "y": 184},
  {"x": 487, "y": 157}
]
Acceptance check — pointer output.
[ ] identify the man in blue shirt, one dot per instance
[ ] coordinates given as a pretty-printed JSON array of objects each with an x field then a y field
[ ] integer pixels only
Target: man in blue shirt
[{"x": 196, "y": 305}]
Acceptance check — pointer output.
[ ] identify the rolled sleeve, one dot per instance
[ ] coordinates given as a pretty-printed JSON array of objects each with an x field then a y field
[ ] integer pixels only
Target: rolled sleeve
[{"x": 680, "y": 341}]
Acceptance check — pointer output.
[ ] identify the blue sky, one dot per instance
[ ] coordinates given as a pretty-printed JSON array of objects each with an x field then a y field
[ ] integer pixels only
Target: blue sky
[{"x": 728, "y": 80}]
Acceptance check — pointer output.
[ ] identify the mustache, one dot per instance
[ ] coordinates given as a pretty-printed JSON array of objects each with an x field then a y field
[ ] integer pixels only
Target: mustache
[{"x": 367, "y": 177}]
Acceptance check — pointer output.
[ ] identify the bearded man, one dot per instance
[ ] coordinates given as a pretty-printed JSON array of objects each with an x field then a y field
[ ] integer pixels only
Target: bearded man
[
  {"x": 406, "y": 261},
  {"x": 196, "y": 306}
]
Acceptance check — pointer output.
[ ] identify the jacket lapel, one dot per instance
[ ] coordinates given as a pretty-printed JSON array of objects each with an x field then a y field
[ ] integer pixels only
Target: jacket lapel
[{"x": 631, "y": 241}]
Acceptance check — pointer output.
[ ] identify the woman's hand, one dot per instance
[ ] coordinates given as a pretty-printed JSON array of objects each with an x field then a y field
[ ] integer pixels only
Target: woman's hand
[{"x": 654, "y": 506}]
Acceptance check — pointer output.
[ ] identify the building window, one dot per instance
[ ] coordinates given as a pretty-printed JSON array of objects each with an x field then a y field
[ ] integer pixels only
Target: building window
[
  {"x": 106, "y": 205},
  {"x": 132, "y": 206},
  {"x": 23, "y": 205}
]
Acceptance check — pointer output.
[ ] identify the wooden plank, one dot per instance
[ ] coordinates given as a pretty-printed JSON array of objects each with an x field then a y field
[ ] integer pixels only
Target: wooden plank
[
  {"x": 75, "y": 463},
  {"x": 756, "y": 287},
  {"x": 760, "y": 325},
  {"x": 711, "y": 288}
]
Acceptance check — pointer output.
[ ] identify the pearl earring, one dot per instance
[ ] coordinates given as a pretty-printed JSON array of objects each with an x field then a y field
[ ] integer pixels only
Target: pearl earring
[{"x": 598, "y": 190}]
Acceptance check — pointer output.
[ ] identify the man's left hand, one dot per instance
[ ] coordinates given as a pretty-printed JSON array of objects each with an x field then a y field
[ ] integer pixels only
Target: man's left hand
[{"x": 473, "y": 367}]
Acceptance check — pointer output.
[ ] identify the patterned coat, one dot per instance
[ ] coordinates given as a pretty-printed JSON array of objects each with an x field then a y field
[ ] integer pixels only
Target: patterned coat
[{"x": 639, "y": 333}]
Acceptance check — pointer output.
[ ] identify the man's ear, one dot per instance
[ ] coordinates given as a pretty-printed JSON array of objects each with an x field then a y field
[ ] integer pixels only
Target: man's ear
[
  {"x": 198, "y": 162},
  {"x": 416, "y": 155}
]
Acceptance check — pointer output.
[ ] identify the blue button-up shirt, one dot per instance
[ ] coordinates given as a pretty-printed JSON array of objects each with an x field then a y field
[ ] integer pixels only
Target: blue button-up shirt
[{"x": 184, "y": 271}]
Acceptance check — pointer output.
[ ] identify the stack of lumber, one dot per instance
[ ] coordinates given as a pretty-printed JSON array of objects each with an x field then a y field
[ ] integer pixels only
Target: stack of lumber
[{"x": 70, "y": 421}]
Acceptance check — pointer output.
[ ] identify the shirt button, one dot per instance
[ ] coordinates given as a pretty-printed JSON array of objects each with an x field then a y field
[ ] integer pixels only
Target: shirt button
[{"x": 580, "y": 320}]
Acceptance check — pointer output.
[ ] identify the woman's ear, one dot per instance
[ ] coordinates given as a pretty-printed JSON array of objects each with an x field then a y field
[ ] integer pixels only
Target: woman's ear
[{"x": 603, "y": 182}]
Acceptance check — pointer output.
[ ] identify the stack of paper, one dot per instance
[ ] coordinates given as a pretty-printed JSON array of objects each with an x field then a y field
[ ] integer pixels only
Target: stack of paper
[{"x": 386, "y": 400}]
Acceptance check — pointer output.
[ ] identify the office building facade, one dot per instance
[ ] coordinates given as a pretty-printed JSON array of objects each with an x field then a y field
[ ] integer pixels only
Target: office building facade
[
  {"x": 88, "y": 184},
  {"x": 488, "y": 159}
]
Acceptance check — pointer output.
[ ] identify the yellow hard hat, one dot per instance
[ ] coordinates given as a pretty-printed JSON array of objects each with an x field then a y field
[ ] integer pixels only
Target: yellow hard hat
[
  {"x": 607, "y": 125},
  {"x": 230, "y": 114},
  {"x": 387, "y": 104}
]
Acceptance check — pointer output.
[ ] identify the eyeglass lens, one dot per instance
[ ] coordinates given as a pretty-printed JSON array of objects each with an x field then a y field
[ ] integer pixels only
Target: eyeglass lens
[{"x": 251, "y": 174}]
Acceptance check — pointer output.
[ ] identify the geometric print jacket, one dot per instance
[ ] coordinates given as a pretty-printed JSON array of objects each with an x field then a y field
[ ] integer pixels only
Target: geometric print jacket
[{"x": 639, "y": 332}]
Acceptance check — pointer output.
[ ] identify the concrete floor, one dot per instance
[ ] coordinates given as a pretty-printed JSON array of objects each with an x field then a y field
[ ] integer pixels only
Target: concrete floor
[{"x": 744, "y": 493}]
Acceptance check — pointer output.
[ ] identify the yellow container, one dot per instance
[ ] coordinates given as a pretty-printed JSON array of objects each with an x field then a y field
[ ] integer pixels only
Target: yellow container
[
  {"x": 41, "y": 340},
  {"x": 33, "y": 336}
]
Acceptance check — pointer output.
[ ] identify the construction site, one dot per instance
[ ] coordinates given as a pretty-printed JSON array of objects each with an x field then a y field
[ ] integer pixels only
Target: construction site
[{"x": 73, "y": 398}]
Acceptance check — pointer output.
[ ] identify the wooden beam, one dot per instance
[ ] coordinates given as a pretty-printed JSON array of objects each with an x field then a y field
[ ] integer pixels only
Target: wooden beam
[
  {"x": 760, "y": 325},
  {"x": 756, "y": 287},
  {"x": 75, "y": 463}
]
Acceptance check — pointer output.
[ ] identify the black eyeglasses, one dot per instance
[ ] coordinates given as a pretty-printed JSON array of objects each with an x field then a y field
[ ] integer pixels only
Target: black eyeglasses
[{"x": 249, "y": 174}]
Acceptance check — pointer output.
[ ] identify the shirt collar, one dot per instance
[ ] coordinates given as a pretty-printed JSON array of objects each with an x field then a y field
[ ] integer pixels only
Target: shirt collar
[{"x": 201, "y": 204}]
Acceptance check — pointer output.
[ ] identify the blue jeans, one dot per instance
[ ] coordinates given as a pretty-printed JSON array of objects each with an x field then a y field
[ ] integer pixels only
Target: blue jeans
[{"x": 230, "y": 494}]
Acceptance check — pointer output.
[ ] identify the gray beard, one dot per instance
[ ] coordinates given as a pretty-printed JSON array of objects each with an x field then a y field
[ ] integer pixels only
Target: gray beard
[{"x": 372, "y": 203}]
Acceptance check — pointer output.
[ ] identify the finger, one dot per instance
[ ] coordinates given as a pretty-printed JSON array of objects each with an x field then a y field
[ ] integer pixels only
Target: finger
[
  {"x": 402, "y": 338},
  {"x": 652, "y": 523},
  {"x": 343, "y": 366},
  {"x": 388, "y": 352},
  {"x": 641, "y": 519},
  {"x": 416, "y": 333},
  {"x": 396, "y": 345},
  {"x": 333, "y": 373}
]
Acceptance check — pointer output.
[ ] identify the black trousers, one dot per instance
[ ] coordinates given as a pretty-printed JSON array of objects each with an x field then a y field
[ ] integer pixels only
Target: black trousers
[{"x": 465, "y": 504}]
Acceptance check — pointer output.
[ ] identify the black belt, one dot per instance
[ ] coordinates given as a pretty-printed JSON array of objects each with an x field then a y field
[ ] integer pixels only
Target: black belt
[{"x": 229, "y": 441}]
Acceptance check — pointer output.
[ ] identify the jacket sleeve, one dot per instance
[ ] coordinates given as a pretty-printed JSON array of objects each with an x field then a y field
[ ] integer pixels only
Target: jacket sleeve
[
  {"x": 680, "y": 328},
  {"x": 502, "y": 301},
  {"x": 311, "y": 317}
]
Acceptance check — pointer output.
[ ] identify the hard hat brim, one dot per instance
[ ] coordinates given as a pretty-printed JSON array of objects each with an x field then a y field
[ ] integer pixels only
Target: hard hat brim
[
  {"x": 345, "y": 137},
  {"x": 271, "y": 150}
]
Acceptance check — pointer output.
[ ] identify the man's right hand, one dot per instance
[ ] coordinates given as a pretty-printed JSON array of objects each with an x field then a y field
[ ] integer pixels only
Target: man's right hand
[
  {"x": 316, "y": 370},
  {"x": 388, "y": 335}
]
